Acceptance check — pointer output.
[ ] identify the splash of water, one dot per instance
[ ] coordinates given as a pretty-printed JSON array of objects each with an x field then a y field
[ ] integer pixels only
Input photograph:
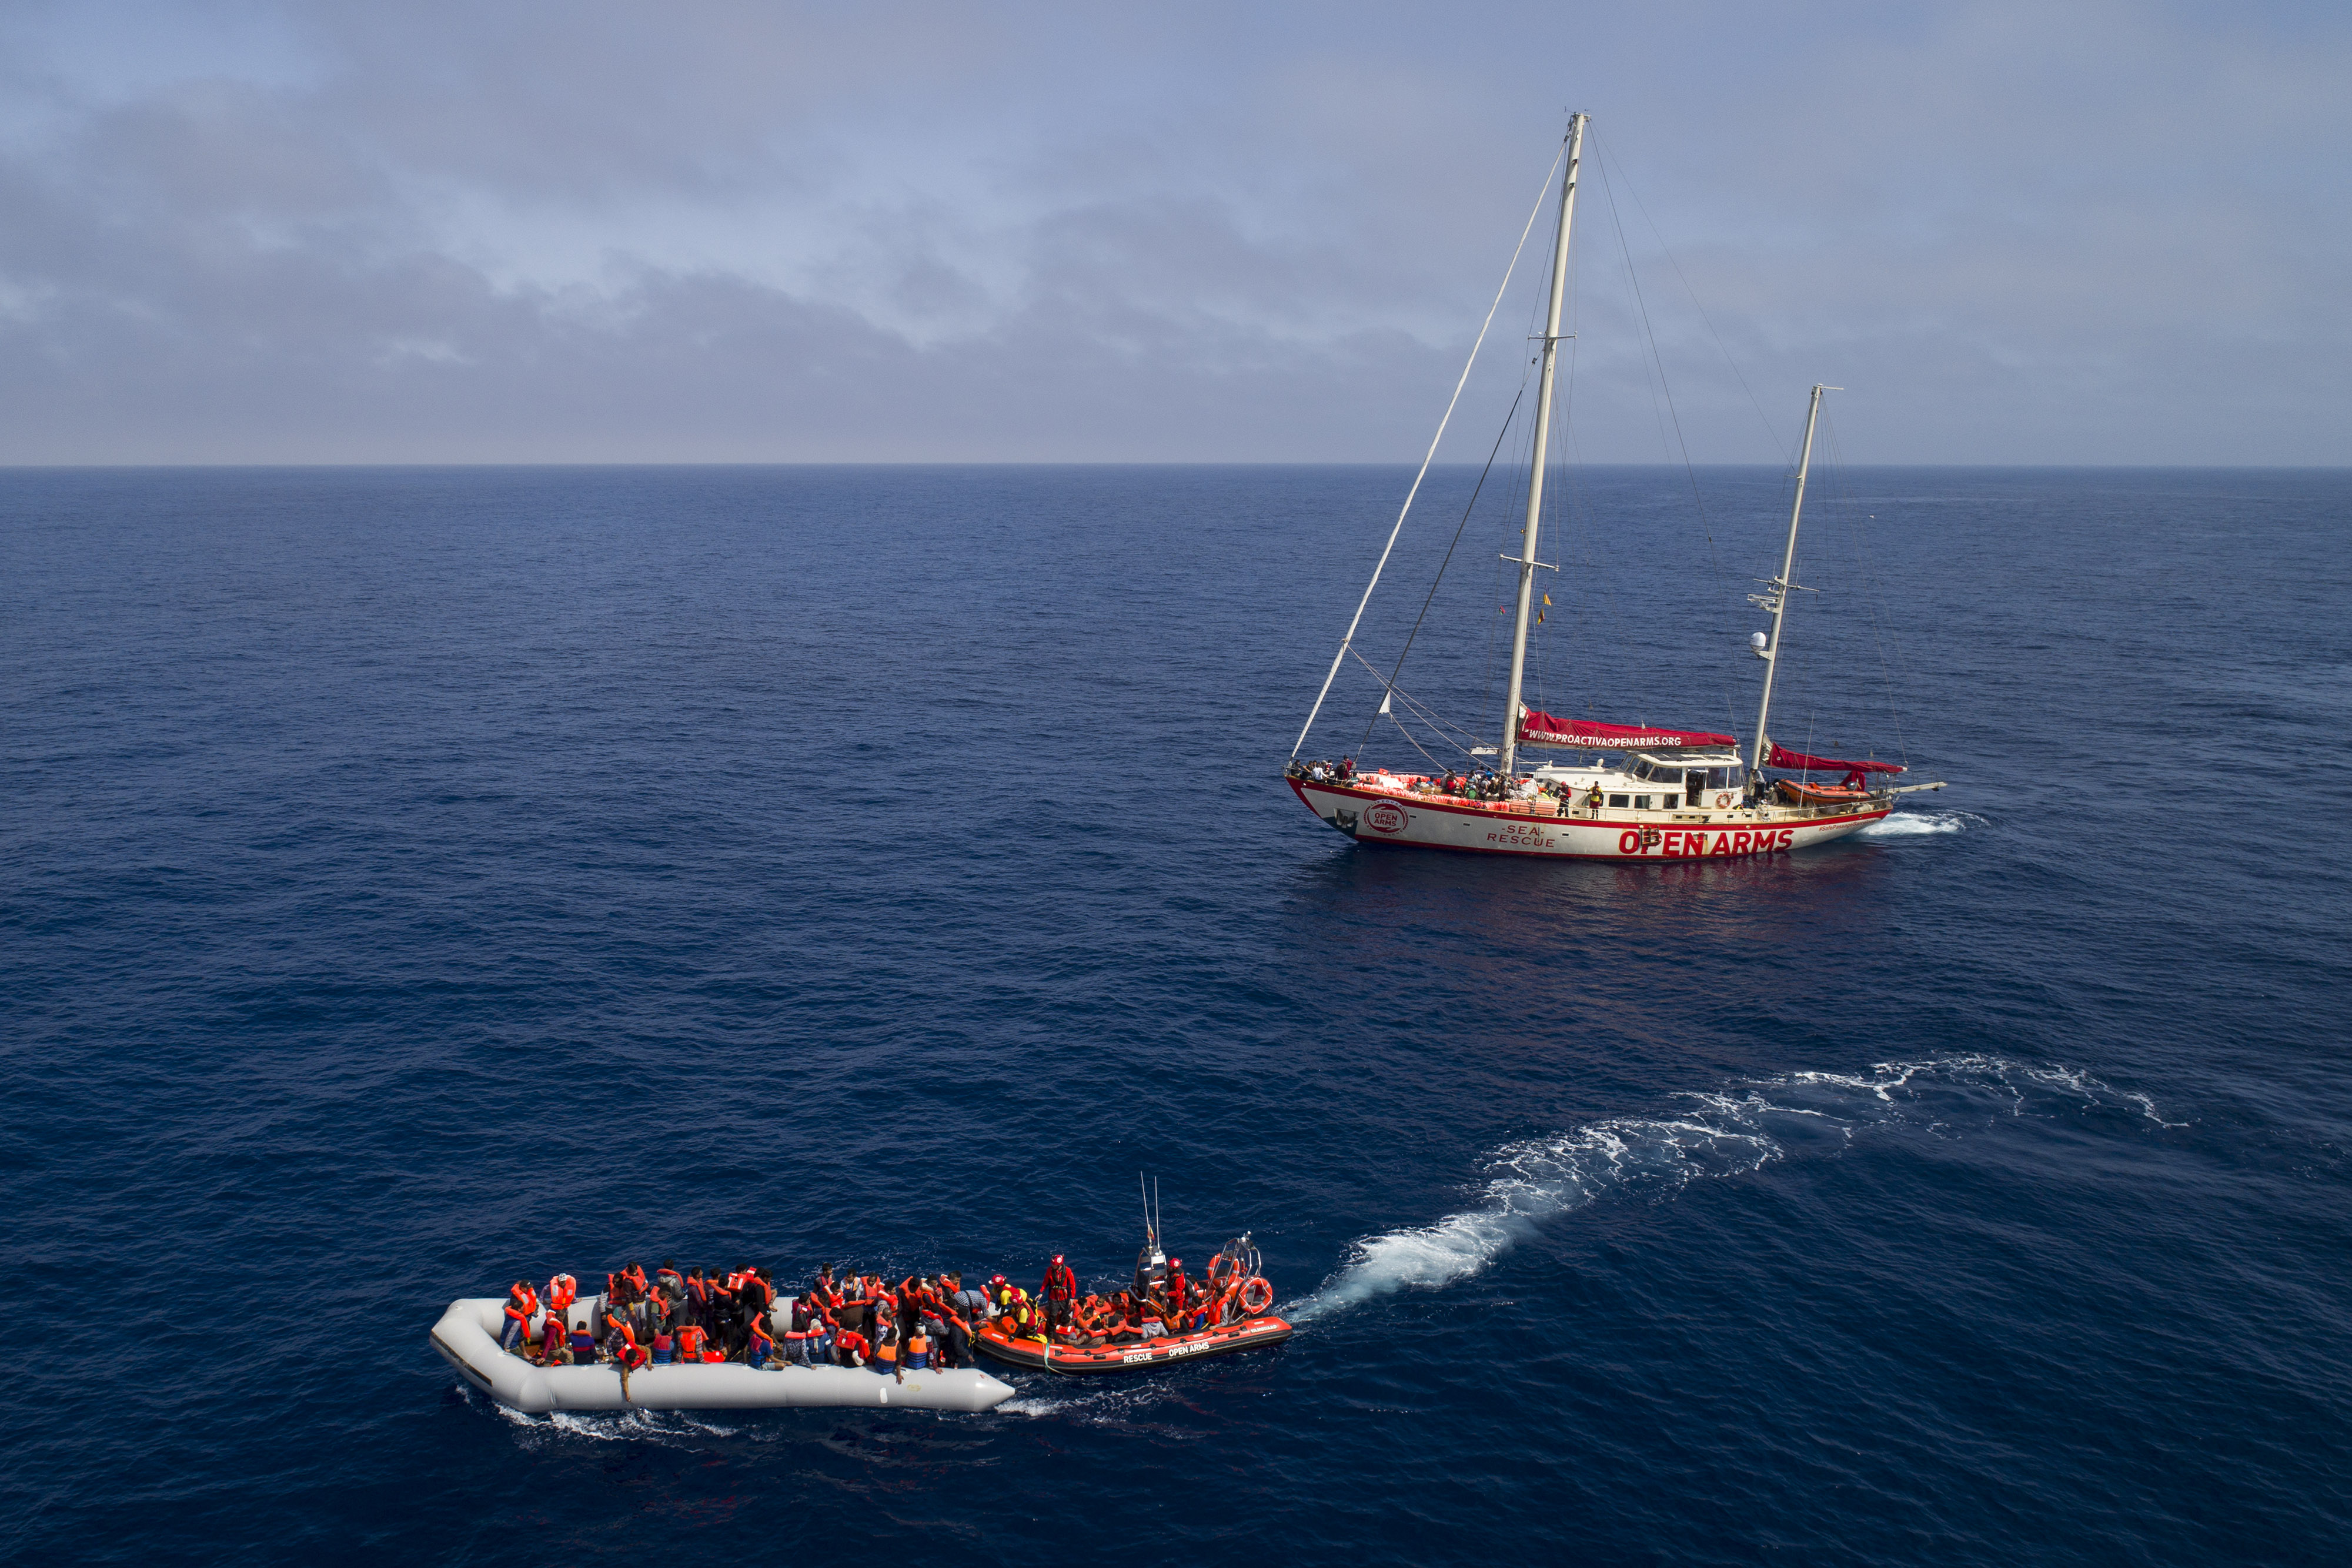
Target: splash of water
[
  {"x": 1920, "y": 824},
  {"x": 1730, "y": 1133}
]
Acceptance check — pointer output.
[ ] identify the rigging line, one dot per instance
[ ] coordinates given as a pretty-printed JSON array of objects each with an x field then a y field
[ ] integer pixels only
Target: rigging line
[
  {"x": 1663, "y": 385},
  {"x": 1787, "y": 448},
  {"x": 1390, "y": 682},
  {"x": 1533, "y": 213},
  {"x": 1409, "y": 740},
  {"x": 1657, "y": 359},
  {"x": 1872, "y": 591},
  {"x": 1419, "y": 709},
  {"x": 1522, "y": 456},
  {"x": 1438, "y": 726}
]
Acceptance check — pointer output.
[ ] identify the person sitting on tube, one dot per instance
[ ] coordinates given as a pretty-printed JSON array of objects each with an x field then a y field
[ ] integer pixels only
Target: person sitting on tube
[
  {"x": 522, "y": 1303},
  {"x": 584, "y": 1345}
]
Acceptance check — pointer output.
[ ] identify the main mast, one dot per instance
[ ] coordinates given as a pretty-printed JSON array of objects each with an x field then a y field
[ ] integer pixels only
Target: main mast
[
  {"x": 1775, "y": 596},
  {"x": 1526, "y": 556}
]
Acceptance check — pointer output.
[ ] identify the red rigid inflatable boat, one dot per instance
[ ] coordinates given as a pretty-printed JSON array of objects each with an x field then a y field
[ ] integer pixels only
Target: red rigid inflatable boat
[
  {"x": 1244, "y": 1303},
  {"x": 1251, "y": 1333}
]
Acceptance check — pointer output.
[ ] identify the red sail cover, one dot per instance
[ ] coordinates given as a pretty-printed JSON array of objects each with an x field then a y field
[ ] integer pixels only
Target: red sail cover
[
  {"x": 1540, "y": 728},
  {"x": 1783, "y": 757}
]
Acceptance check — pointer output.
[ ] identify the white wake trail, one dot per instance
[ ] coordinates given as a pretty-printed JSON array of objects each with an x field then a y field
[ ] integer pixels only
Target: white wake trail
[
  {"x": 1920, "y": 824},
  {"x": 1730, "y": 1133}
]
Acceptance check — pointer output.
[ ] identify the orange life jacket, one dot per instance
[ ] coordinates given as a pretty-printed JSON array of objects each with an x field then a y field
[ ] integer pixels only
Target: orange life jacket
[
  {"x": 562, "y": 1291},
  {"x": 522, "y": 1302}
]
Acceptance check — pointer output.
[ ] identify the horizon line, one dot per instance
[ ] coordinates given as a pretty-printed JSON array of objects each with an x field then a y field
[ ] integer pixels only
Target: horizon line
[{"x": 228, "y": 465}]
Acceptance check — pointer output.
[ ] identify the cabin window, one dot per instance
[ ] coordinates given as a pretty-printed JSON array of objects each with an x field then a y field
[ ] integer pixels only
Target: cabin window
[
  {"x": 1641, "y": 802},
  {"x": 1617, "y": 802},
  {"x": 1668, "y": 802}
]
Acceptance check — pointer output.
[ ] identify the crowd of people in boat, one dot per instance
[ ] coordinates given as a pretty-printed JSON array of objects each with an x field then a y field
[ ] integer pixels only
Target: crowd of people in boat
[
  {"x": 1479, "y": 786},
  {"x": 853, "y": 1320}
]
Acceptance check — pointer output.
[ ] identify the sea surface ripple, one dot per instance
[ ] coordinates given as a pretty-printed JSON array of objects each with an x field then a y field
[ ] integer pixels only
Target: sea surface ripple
[{"x": 419, "y": 878}]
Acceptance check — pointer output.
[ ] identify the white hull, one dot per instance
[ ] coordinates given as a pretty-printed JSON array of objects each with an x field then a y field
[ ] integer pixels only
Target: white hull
[
  {"x": 1383, "y": 817},
  {"x": 467, "y": 1338}
]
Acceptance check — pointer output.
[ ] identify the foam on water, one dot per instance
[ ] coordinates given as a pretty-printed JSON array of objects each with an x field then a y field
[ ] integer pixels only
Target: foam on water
[
  {"x": 1727, "y": 1133},
  {"x": 1920, "y": 824}
]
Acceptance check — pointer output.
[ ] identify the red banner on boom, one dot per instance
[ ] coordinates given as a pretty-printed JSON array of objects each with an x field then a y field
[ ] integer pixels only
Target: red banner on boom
[
  {"x": 1540, "y": 728},
  {"x": 1784, "y": 757}
]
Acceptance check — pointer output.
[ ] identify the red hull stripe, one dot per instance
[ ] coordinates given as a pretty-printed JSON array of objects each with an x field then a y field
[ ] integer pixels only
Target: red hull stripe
[
  {"x": 1588, "y": 823},
  {"x": 1254, "y": 1334}
]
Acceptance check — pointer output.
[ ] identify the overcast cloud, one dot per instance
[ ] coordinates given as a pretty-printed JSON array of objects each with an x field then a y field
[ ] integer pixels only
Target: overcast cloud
[{"x": 710, "y": 230}]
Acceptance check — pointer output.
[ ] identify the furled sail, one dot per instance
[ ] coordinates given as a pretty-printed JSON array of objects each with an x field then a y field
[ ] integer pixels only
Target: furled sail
[
  {"x": 1784, "y": 757},
  {"x": 1537, "y": 728}
]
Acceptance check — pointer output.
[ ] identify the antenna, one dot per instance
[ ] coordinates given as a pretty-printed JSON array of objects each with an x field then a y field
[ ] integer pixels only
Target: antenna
[{"x": 1155, "y": 1210}]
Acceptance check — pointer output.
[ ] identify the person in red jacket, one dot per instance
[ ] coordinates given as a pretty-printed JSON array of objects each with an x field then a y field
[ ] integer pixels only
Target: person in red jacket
[
  {"x": 1179, "y": 1302},
  {"x": 1060, "y": 1288},
  {"x": 522, "y": 1305}
]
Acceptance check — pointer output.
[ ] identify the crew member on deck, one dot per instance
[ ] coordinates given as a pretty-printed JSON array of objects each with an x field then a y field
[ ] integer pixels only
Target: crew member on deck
[{"x": 1060, "y": 1288}]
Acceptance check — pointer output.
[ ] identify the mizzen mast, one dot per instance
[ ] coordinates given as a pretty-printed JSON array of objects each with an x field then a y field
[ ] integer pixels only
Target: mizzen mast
[
  {"x": 1774, "y": 597},
  {"x": 1526, "y": 556}
]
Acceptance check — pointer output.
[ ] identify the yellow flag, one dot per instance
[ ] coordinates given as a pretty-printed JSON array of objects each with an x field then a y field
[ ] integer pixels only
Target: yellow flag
[
  {"x": 1538, "y": 617},
  {"x": 1546, "y": 598}
]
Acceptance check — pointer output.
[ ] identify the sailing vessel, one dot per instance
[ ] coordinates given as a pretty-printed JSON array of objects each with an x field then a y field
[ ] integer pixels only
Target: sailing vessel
[{"x": 1641, "y": 792}]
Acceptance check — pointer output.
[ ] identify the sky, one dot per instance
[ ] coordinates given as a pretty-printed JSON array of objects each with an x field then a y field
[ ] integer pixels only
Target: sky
[{"x": 719, "y": 231}]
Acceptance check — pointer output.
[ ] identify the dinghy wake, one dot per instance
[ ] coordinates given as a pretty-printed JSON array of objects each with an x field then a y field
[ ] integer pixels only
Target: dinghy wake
[{"x": 1730, "y": 1133}]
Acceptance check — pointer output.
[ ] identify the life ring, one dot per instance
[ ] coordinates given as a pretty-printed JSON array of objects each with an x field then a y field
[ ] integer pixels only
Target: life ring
[
  {"x": 1256, "y": 1295},
  {"x": 1722, "y": 801}
]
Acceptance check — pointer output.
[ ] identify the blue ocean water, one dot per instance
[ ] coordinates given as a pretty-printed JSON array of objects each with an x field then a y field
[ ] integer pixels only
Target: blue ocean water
[{"x": 419, "y": 878}]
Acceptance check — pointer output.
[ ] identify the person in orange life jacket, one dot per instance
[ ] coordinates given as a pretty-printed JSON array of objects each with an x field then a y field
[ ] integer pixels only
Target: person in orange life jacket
[
  {"x": 554, "y": 1345},
  {"x": 885, "y": 1357},
  {"x": 851, "y": 1347},
  {"x": 665, "y": 1348},
  {"x": 916, "y": 1357},
  {"x": 914, "y": 1295},
  {"x": 1060, "y": 1288},
  {"x": 760, "y": 1293},
  {"x": 971, "y": 1303},
  {"x": 690, "y": 1339},
  {"x": 761, "y": 1349},
  {"x": 1175, "y": 1293},
  {"x": 669, "y": 1296},
  {"x": 627, "y": 1353},
  {"x": 721, "y": 1300},
  {"x": 522, "y": 1304},
  {"x": 562, "y": 1291},
  {"x": 951, "y": 1341}
]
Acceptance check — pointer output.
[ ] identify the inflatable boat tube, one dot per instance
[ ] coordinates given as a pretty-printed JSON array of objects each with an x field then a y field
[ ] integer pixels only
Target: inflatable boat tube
[
  {"x": 1079, "y": 1360},
  {"x": 466, "y": 1337}
]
